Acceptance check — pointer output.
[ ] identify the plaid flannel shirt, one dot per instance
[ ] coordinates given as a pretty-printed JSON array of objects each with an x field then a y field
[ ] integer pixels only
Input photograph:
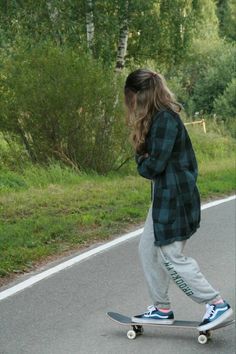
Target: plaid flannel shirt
[{"x": 172, "y": 165}]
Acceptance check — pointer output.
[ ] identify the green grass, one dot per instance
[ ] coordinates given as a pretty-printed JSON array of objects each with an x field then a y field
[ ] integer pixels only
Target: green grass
[
  {"x": 38, "y": 222},
  {"x": 217, "y": 178},
  {"x": 47, "y": 211}
]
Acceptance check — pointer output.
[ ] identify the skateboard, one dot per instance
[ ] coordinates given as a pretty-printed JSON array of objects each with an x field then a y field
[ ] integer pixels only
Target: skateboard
[{"x": 137, "y": 328}]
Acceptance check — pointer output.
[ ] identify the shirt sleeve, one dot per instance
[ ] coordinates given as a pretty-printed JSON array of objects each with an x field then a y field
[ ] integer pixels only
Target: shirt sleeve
[{"x": 163, "y": 137}]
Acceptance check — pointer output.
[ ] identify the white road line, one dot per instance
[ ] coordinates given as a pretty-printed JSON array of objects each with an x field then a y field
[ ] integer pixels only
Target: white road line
[
  {"x": 45, "y": 274},
  {"x": 217, "y": 202}
]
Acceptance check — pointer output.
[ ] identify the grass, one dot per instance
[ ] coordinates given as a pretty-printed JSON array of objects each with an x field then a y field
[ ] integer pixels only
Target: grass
[
  {"x": 217, "y": 179},
  {"x": 37, "y": 222},
  {"x": 48, "y": 211}
]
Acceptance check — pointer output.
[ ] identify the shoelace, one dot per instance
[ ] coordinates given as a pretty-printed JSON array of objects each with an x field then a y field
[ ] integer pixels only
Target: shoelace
[
  {"x": 210, "y": 311},
  {"x": 150, "y": 309}
]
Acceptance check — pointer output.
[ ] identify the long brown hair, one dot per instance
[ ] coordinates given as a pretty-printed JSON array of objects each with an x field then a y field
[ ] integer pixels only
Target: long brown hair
[{"x": 146, "y": 93}]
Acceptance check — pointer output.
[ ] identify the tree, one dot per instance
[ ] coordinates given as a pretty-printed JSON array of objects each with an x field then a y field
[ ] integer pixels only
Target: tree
[
  {"x": 58, "y": 20},
  {"x": 226, "y": 11},
  {"x": 90, "y": 25},
  {"x": 123, "y": 38},
  {"x": 207, "y": 23},
  {"x": 54, "y": 16},
  {"x": 162, "y": 31}
]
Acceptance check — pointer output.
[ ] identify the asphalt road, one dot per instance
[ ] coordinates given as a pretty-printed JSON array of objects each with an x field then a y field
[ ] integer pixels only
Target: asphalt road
[{"x": 65, "y": 314}]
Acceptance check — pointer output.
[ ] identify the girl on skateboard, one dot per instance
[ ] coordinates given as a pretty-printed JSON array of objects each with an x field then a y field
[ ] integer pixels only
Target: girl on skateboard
[{"x": 164, "y": 155}]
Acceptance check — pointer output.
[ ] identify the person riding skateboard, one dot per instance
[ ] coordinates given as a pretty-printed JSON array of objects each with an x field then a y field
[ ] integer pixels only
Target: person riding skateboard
[{"x": 164, "y": 155}]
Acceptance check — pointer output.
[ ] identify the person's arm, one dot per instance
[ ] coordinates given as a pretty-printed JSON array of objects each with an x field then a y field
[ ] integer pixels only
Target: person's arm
[{"x": 163, "y": 136}]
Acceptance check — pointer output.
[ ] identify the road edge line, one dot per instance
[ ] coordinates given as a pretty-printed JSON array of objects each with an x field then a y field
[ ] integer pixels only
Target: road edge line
[{"x": 77, "y": 259}]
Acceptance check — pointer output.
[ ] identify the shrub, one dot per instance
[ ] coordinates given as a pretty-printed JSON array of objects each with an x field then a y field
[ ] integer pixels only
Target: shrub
[
  {"x": 214, "y": 81},
  {"x": 225, "y": 104},
  {"x": 13, "y": 155},
  {"x": 205, "y": 74},
  {"x": 63, "y": 105},
  {"x": 225, "y": 107}
]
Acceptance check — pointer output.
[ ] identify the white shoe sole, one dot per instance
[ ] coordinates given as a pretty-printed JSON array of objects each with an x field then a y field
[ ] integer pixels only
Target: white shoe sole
[
  {"x": 216, "y": 322},
  {"x": 152, "y": 321}
]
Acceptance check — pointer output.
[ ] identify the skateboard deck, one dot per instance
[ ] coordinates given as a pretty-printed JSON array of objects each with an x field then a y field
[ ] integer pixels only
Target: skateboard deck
[{"x": 137, "y": 328}]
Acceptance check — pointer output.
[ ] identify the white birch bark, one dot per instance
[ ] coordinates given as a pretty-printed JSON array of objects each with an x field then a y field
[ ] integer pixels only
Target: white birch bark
[
  {"x": 123, "y": 39},
  {"x": 52, "y": 11},
  {"x": 54, "y": 16},
  {"x": 90, "y": 24}
]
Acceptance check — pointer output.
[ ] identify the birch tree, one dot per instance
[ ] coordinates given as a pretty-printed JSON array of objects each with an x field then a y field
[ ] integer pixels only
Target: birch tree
[
  {"x": 123, "y": 37},
  {"x": 90, "y": 25},
  {"x": 54, "y": 16}
]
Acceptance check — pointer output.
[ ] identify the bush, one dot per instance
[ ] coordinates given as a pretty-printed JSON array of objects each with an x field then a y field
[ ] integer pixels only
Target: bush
[
  {"x": 63, "y": 105},
  {"x": 225, "y": 107},
  {"x": 225, "y": 104},
  {"x": 205, "y": 74},
  {"x": 214, "y": 81},
  {"x": 13, "y": 155}
]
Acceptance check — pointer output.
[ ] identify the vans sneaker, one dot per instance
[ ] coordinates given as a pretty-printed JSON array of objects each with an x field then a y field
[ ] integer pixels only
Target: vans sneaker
[
  {"x": 154, "y": 315},
  {"x": 215, "y": 314}
]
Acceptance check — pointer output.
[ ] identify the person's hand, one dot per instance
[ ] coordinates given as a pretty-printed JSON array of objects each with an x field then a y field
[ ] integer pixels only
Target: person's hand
[
  {"x": 140, "y": 158},
  {"x": 145, "y": 155}
]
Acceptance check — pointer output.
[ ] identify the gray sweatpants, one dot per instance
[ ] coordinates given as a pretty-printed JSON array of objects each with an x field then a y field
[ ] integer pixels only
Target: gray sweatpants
[{"x": 161, "y": 264}]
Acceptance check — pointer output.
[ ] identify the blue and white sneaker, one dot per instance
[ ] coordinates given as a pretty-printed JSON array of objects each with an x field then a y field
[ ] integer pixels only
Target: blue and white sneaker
[
  {"x": 153, "y": 315},
  {"x": 215, "y": 315}
]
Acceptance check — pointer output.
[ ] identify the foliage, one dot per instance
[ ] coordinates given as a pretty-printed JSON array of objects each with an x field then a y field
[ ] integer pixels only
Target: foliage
[
  {"x": 226, "y": 11},
  {"x": 13, "y": 155},
  {"x": 61, "y": 114},
  {"x": 63, "y": 102},
  {"x": 225, "y": 106},
  {"x": 205, "y": 75},
  {"x": 215, "y": 79},
  {"x": 47, "y": 211},
  {"x": 207, "y": 24},
  {"x": 166, "y": 35},
  {"x": 64, "y": 105},
  {"x": 60, "y": 21}
]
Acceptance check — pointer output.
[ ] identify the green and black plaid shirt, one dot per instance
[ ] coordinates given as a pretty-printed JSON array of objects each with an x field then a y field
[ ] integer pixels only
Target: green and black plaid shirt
[{"x": 172, "y": 166}]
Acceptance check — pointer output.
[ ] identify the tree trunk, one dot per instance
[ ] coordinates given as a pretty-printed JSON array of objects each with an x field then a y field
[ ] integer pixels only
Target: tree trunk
[
  {"x": 90, "y": 25},
  {"x": 26, "y": 138},
  {"x": 123, "y": 38},
  {"x": 54, "y": 16}
]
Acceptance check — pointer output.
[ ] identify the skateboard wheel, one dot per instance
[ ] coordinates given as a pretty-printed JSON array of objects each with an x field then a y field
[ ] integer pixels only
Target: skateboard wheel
[
  {"x": 131, "y": 334},
  {"x": 202, "y": 339}
]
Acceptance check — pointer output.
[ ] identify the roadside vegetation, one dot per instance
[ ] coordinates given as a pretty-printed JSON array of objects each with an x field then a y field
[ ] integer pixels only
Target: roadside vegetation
[
  {"x": 51, "y": 210},
  {"x": 67, "y": 176}
]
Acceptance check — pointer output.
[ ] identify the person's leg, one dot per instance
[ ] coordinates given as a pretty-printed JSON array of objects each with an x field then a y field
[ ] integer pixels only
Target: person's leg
[
  {"x": 186, "y": 274},
  {"x": 156, "y": 277}
]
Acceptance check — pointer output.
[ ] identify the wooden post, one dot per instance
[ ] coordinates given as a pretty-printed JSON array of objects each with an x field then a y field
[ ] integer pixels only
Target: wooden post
[
  {"x": 204, "y": 125},
  {"x": 202, "y": 122}
]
